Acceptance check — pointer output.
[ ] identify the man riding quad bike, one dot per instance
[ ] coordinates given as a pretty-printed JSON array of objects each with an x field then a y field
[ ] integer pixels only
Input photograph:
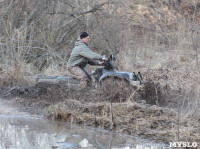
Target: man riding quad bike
[{"x": 82, "y": 55}]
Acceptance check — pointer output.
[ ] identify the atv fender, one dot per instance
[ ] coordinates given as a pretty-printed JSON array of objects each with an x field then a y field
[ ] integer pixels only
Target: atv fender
[{"x": 114, "y": 73}]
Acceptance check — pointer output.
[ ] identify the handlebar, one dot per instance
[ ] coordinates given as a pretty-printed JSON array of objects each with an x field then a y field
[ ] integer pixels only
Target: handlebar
[{"x": 111, "y": 58}]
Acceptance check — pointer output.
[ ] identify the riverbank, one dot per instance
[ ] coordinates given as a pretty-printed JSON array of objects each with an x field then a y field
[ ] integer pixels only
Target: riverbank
[
  {"x": 153, "y": 113},
  {"x": 47, "y": 134}
]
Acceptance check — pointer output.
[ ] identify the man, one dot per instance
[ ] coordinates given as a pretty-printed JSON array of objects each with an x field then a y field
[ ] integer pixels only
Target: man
[{"x": 81, "y": 56}]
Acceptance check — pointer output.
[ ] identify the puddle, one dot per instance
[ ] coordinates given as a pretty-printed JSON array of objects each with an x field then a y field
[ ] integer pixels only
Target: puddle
[{"x": 19, "y": 132}]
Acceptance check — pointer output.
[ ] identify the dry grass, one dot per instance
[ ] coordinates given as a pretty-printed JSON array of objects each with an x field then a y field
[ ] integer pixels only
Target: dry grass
[{"x": 128, "y": 117}]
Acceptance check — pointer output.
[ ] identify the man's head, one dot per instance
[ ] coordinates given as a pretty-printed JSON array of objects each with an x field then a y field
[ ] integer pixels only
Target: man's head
[{"x": 85, "y": 37}]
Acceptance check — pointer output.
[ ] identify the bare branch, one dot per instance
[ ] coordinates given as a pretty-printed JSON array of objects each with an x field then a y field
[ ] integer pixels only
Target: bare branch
[
  {"x": 35, "y": 10},
  {"x": 94, "y": 9},
  {"x": 193, "y": 40},
  {"x": 10, "y": 6}
]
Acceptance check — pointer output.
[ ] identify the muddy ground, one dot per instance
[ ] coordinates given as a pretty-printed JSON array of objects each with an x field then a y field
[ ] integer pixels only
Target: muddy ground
[{"x": 165, "y": 109}]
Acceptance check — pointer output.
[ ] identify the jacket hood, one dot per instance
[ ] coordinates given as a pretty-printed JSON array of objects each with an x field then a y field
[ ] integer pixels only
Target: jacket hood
[{"x": 79, "y": 42}]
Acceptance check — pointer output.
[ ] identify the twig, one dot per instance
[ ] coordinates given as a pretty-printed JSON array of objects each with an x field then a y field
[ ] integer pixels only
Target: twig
[
  {"x": 193, "y": 41},
  {"x": 10, "y": 6},
  {"x": 94, "y": 9},
  {"x": 178, "y": 133},
  {"x": 111, "y": 109}
]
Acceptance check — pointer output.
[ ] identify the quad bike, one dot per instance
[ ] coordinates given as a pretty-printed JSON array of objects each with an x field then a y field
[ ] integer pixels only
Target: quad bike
[
  {"x": 109, "y": 70},
  {"x": 99, "y": 75}
]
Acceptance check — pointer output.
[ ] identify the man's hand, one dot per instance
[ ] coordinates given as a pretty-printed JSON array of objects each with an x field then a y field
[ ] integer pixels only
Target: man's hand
[
  {"x": 101, "y": 63},
  {"x": 104, "y": 58}
]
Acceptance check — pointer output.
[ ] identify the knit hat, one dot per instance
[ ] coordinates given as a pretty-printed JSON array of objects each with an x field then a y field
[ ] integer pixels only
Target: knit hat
[{"x": 83, "y": 35}]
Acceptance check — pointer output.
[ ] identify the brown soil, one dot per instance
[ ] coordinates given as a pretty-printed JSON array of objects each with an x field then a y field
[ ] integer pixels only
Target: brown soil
[{"x": 150, "y": 112}]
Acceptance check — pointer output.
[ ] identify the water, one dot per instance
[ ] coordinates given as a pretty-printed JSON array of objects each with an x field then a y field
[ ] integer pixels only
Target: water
[{"x": 25, "y": 132}]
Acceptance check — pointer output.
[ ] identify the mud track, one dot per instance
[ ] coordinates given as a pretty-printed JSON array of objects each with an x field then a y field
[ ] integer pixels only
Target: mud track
[{"x": 115, "y": 105}]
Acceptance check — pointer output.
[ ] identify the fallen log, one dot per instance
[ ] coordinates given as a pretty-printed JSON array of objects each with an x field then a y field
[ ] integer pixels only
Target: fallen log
[{"x": 57, "y": 79}]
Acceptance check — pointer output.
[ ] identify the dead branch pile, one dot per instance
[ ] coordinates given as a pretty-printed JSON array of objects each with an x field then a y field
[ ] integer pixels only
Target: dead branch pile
[{"x": 178, "y": 86}]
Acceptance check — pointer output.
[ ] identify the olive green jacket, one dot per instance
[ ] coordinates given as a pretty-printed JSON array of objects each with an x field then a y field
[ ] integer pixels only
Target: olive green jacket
[{"x": 82, "y": 55}]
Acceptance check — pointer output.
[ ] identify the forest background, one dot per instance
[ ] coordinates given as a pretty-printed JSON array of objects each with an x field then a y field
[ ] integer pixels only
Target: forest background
[{"x": 38, "y": 36}]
